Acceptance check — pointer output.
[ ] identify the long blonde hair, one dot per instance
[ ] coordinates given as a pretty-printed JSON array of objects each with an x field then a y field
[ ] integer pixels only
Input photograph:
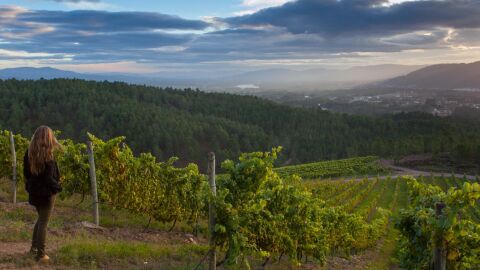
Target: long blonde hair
[{"x": 41, "y": 148}]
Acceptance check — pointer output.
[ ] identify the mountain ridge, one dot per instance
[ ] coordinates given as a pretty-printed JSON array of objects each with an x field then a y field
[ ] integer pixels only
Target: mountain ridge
[
  {"x": 441, "y": 76},
  {"x": 272, "y": 79}
]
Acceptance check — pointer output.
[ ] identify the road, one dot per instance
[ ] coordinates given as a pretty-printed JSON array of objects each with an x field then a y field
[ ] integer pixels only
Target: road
[{"x": 402, "y": 171}]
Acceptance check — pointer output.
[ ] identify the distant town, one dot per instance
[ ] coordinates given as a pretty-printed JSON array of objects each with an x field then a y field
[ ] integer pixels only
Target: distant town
[{"x": 437, "y": 102}]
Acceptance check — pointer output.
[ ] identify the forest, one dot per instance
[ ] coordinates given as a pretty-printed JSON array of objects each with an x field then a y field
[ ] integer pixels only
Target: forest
[{"x": 188, "y": 123}]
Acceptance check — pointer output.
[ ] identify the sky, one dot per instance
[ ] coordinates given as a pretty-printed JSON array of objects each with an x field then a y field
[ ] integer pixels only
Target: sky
[{"x": 212, "y": 37}]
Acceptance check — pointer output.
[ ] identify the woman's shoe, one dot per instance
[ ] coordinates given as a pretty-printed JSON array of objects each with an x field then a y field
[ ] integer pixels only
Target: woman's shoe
[{"x": 43, "y": 259}]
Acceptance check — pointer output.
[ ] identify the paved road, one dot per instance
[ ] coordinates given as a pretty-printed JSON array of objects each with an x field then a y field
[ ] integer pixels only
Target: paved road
[
  {"x": 411, "y": 172},
  {"x": 402, "y": 171}
]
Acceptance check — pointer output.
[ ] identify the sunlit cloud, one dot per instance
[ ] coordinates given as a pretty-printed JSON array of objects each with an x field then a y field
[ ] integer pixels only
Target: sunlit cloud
[
  {"x": 169, "y": 49},
  {"x": 252, "y": 6},
  {"x": 25, "y": 54},
  {"x": 450, "y": 35},
  {"x": 89, "y": 5},
  {"x": 8, "y": 12}
]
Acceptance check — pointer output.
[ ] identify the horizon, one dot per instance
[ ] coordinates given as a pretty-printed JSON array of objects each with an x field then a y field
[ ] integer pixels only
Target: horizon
[{"x": 187, "y": 37}]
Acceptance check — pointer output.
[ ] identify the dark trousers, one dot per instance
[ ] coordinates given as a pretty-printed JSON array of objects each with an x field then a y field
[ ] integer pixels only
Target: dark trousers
[{"x": 40, "y": 230}]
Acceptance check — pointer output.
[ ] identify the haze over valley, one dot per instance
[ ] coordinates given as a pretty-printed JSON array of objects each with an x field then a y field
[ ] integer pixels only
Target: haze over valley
[{"x": 262, "y": 79}]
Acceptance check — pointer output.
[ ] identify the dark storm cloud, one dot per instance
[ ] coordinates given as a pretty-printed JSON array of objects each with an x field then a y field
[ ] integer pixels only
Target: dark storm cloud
[
  {"x": 275, "y": 44},
  {"x": 91, "y": 20},
  {"x": 101, "y": 45},
  {"x": 108, "y": 42},
  {"x": 364, "y": 17}
]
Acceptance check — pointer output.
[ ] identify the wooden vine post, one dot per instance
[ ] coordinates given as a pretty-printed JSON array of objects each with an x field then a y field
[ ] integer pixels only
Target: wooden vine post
[
  {"x": 14, "y": 168},
  {"x": 211, "y": 212},
  {"x": 93, "y": 182},
  {"x": 440, "y": 251}
]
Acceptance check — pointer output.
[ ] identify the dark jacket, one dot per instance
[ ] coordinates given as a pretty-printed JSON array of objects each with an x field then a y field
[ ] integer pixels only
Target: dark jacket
[{"x": 41, "y": 187}]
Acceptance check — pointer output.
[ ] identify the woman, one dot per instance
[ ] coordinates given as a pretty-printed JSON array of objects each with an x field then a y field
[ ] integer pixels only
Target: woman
[{"x": 42, "y": 182}]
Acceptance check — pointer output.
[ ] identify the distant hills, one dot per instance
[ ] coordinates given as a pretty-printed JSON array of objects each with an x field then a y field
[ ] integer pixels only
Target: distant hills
[
  {"x": 37, "y": 73},
  {"x": 30, "y": 73},
  {"x": 264, "y": 79},
  {"x": 443, "y": 76}
]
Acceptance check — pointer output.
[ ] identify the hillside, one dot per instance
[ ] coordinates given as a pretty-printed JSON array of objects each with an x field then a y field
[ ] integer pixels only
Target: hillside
[
  {"x": 190, "y": 123},
  {"x": 444, "y": 76}
]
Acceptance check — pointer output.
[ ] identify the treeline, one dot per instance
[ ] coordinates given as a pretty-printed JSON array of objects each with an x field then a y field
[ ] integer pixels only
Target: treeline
[{"x": 189, "y": 123}]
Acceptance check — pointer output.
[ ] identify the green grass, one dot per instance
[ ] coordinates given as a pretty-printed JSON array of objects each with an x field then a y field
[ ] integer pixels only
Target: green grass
[
  {"x": 388, "y": 201},
  {"x": 94, "y": 252},
  {"x": 14, "y": 224},
  {"x": 358, "y": 197},
  {"x": 371, "y": 197},
  {"x": 387, "y": 197},
  {"x": 345, "y": 194},
  {"x": 14, "y": 231},
  {"x": 402, "y": 201},
  {"x": 118, "y": 218}
]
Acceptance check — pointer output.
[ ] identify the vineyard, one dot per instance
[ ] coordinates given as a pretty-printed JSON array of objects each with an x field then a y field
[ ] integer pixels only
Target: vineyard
[
  {"x": 360, "y": 166},
  {"x": 266, "y": 217}
]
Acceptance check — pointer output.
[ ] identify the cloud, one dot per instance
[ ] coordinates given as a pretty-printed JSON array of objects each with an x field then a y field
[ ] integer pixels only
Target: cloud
[
  {"x": 263, "y": 3},
  {"x": 418, "y": 38},
  {"x": 85, "y": 4},
  {"x": 95, "y": 36},
  {"x": 281, "y": 32},
  {"x": 12, "y": 30},
  {"x": 278, "y": 43},
  {"x": 364, "y": 17},
  {"x": 89, "y": 6},
  {"x": 106, "y": 42},
  {"x": 9, "y": 12},
  {"x": 253, "y": 6},
  {"x": 92, "y": 20},
  {"x": 16, "y": 54}
]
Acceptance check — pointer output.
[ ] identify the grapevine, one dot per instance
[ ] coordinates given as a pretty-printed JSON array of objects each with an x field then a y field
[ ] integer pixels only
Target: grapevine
[
  {"x": 421, "y": 228},
  {"x": 268, "y": 212}
]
